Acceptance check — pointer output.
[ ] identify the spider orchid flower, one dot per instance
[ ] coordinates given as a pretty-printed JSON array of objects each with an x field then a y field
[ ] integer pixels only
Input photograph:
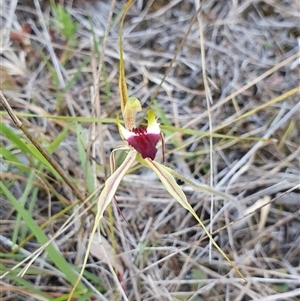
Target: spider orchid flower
[
  {"x": 141, "y": 143},
  {"x": 143, "y": 139},
  {"x": 141, "y": 147}
]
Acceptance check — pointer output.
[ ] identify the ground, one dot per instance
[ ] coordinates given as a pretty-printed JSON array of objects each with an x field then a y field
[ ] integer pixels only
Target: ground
[{"x": 223, "y": 80}]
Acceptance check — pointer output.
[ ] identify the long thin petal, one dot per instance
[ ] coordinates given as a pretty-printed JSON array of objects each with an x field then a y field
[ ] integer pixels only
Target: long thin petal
[
  {"x": 112, "y": 183},
  {"x": 122, "y": 79},
  {"x": 175, "y": 191},
  {"x": 108, "y": 192},
  {"x": 202, "y": 188}
]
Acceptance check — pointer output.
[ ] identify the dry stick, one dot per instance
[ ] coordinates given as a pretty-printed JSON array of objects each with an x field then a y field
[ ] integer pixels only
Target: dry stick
[
  {"x": 255, "y": 211},
  {"x": 97, "y": 77},
  {"x": 241, "y": 90},
  {"x": 176, "y": 53},
  {"x": 265, "y": 105},
  {"x": 238, "y": 169},
  {"x": 208, "y": 101},
  {"x": 59, "y": 170}
]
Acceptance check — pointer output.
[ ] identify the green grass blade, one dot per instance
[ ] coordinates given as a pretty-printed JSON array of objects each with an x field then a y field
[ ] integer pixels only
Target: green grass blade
[
  {"x": 25, "y": 285},
  {"x": 7, "y": 155},
  {"x": 26, "y": 148},
  {"x": 58, "y": 140},
  {"x": 54, "y": 254},
  {"x": 42, "y": 160},
  {"x": 12, "y": 137},
  {"x": 83, "y": 296},
  {"x": 22, "y": 203}
]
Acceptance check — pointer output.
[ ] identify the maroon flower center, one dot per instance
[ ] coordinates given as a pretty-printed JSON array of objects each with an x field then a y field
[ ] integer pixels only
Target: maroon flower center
[{"x": 144, "y": 142}]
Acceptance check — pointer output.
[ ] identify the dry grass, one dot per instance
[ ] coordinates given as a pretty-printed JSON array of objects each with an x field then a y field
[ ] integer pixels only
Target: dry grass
[{"x": 161, "y": 252}]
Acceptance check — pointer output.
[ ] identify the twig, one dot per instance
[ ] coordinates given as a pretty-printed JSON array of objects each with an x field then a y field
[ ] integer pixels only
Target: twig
[{"x": 208, "y": 102}]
